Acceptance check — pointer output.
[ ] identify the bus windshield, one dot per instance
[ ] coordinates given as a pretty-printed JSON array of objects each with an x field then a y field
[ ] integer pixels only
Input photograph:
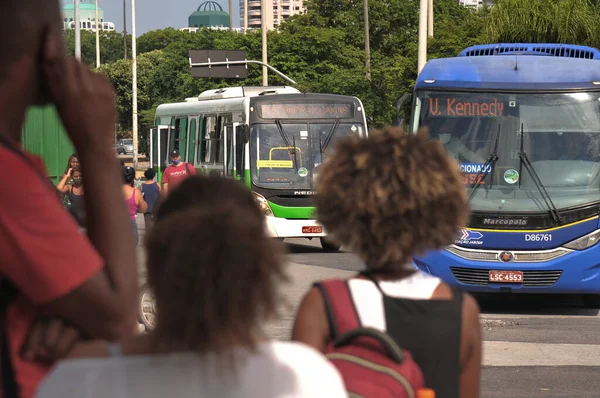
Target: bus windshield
[
  {"x": 558, "y": 132},
  {"x": 288, "y": 155}
]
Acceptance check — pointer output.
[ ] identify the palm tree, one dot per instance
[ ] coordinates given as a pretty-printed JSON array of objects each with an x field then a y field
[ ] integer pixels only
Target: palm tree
[{"x": 550, "y": 21}]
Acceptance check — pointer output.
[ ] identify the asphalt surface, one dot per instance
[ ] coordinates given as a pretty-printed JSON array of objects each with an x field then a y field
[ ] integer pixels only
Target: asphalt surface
[{"x": 534, "y": 346}]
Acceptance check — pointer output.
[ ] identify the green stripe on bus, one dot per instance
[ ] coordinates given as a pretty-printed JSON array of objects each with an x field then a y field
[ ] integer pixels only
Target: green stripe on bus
[{"x": 291, "y": 212}]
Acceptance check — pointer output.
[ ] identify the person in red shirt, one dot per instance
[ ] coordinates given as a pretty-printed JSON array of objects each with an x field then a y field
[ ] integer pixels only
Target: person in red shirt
[
  {"x": 53, "y": 269},
  {"x": 176, "y": 173}
]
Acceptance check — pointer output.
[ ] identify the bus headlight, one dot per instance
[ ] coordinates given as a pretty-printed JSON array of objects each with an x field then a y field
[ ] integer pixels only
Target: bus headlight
[
  {"x": 584, "y": 242},
  {"x": 263, "y": 204}
]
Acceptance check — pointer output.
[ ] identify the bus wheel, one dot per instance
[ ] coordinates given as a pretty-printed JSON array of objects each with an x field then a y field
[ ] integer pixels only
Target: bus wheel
[
  {"x": 329, "y": 246},
  {"x": 591, "y": 301},
  {"x": 147, "y": 308}
]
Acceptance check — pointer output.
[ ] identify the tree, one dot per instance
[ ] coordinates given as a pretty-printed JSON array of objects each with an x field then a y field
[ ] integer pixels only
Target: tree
[
  {"x": 550, "y": 21},
  {"x": 112, "y": 47}
]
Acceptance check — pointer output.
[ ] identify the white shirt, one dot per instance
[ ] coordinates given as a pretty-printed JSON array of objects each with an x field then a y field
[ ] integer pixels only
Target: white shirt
[{"x": 276, "y": 369}]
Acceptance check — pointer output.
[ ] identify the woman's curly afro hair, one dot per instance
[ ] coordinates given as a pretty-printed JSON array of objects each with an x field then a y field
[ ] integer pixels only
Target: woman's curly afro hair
[{"x": 390, "y": 196}]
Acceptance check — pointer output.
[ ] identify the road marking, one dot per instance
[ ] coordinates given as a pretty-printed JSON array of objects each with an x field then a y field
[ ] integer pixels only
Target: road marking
[{"x": 502, "y": 353}]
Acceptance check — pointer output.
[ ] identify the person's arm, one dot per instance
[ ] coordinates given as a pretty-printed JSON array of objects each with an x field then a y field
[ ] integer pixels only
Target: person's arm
[
  {"x": 165, "y": 183},
  {"x": 311, "y": 326},
  {"x": 105, "y": 304},
  {"x": 470, "y": 373},
  {"x": 141, "y": 204},
  {"x": 62, "y": 186}
]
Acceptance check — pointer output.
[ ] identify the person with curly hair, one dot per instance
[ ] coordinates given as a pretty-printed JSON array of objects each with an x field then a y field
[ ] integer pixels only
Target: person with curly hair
[
  {"x": 134, "y": 198},
  {"x": 216, "y": 276},
  {"x": 389, "y": 197}
]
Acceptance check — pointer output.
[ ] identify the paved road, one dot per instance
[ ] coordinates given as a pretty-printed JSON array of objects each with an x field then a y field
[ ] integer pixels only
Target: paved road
[{"x": 533, "y": 347}]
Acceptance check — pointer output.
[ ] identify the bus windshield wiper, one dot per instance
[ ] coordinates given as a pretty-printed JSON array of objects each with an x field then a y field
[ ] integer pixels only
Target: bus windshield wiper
[
  {"x": 537, "y": 181},
  {"x": 487, "y": 167},
  {"x": 329, "y": 135},
  {"x": 287, "y": 142}
]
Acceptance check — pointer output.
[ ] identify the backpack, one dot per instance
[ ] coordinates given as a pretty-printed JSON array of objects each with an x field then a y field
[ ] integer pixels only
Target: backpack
[{"x": 372, "y": 365}]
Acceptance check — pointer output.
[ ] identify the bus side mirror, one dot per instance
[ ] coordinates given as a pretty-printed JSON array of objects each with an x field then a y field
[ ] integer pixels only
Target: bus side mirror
[{"x": 403, "y": 109}]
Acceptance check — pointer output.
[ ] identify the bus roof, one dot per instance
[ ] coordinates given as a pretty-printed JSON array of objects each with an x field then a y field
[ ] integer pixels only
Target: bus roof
[
  {"x": 236, "y": 103},
  {"x": 516, "y": 67}
]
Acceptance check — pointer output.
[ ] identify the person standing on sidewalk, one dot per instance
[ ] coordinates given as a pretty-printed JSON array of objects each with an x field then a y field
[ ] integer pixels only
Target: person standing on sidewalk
[
  {"x": 389, "y": 197},
  {"x": 151, "y": 192},
  {"x": 176, "y": 173},
  {"x": 48, "y": 267},
  {"x": 213, "y": 301},
  {"x": 133, "y": 197}
]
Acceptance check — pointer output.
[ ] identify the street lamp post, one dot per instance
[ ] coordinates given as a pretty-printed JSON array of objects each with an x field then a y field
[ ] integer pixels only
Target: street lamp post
[
  {"x": 125, "y": 27},
  {"x": 230, "y": 17},
  {"x": 367, "y": 40},
  {"x": 422, "y": 53},
  {"x": 97, "y": 36},
  {"x": 430, "y": 18},
  {"x": 245, "y": 16},
  {"x": 266, "y": 6},
  {"x": 77, "y": 30},
  {"x": 134, "y": 66}
]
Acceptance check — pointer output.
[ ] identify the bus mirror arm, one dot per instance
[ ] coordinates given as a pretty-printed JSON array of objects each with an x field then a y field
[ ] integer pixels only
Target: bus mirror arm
[
  {"x": 398, "y": 119},
  {"x": 242, "y": 134}
]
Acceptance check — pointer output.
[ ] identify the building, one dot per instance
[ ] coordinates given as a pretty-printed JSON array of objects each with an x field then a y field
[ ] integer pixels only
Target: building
[
  {"x": 87, "y": 16},
  {"x": 282, "y": 9},
  {"x": 476, "y": 3}
]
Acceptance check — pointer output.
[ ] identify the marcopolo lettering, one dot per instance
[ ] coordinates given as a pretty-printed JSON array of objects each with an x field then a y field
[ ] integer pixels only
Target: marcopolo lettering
[
  {"x": 456, "y": 107},
  {"x": 505, "y": 221}
]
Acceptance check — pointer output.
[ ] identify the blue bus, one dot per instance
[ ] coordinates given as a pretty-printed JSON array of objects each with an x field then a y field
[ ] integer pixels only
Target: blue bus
[{"x": 523, "y": 123}]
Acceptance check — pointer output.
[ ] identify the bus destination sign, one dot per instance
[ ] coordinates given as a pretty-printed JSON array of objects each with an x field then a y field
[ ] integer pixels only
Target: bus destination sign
[
  {"x": 306, "y": 111},
  {"x": 463, "y": 108}
]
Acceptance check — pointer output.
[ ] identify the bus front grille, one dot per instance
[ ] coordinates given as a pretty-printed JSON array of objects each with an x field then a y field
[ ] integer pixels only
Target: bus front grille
[{"x": 480, "y": 277}]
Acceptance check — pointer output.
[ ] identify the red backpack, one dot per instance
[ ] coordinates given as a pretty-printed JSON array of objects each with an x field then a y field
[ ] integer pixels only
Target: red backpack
[{"x": 370, "y": 362}]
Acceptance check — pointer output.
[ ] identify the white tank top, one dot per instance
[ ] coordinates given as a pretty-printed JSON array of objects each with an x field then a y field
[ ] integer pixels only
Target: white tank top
[{"x": 368, "y": 300}]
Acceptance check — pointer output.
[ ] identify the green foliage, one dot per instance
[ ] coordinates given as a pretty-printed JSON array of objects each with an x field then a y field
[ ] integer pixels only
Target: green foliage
[
  {"x": 553, "y": 21},
  {"x": 112, "y": 46},
  {"x": 323, "y": 49}
]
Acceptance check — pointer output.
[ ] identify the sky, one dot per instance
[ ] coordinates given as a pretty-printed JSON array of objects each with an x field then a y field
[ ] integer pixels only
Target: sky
[{"x": 157, "y": 14}]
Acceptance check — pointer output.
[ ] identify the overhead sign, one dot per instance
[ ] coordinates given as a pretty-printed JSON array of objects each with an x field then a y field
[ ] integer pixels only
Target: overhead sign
[
  {"x": 306, "y": 111},
  {"x": 222, "y": 71}
]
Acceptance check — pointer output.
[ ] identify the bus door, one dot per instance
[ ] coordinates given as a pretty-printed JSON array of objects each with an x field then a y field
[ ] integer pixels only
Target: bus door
[
  {"x": 159, "y": 149},
  {"x": 192, "y": 139},
  {"x": 229, "y": 149},
  {"x": 180, "y": 135}
]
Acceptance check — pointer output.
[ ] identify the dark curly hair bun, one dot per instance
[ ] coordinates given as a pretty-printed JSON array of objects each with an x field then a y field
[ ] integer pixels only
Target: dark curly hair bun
[{"x": 391, "y": 196}]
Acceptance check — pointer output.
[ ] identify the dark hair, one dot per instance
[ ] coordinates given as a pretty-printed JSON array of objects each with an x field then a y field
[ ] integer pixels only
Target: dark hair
[
  {"x": 128, "y": 175},
  {"x": 211, "y": 267},
  {"x": 73, "y": 156},
  {"x": 150, "y": 174},
  {"x": 390, "y": 196},
  {"x": 75, "y": 170}
]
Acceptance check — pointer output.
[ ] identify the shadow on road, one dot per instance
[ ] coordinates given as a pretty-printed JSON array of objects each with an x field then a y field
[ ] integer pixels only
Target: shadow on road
[
  {"x": 533, "y": 304},
  {"x": 298, "y": 248}
]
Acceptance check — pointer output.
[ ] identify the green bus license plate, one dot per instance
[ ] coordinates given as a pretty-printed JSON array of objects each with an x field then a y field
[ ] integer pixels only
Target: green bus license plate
[
  {"x": 506, "y": 276},
  {"x": 312, "y": 230}
]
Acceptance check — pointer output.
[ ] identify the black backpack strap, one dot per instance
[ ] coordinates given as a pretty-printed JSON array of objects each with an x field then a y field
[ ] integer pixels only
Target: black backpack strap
[{"x": 9, "y": 381}]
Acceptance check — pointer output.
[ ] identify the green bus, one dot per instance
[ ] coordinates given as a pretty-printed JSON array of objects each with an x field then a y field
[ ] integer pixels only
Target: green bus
[{"x": 273, "y": 139}]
